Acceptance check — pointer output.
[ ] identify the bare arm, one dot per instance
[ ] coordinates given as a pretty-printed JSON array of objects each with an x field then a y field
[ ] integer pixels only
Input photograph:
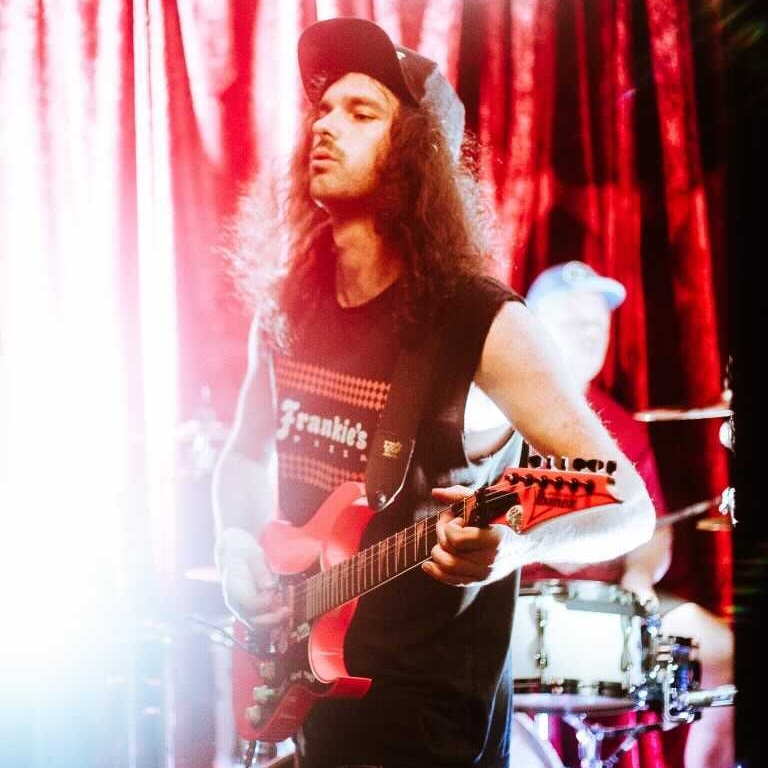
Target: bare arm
[
  {"x": 523, "y": 374},
  {"x": 245, "y": 494},
  {"x": 645, "y": 566},
  {"x": 244, "y": 479}
]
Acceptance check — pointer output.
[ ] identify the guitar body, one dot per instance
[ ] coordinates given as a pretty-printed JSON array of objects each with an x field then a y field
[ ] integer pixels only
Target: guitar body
[{"x": 307, "y": 663}]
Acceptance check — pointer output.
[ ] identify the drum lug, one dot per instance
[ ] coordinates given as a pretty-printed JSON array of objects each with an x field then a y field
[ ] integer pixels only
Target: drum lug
[
  {"x": 626, "y": 656},
  {"x": 542, "y": 618}
]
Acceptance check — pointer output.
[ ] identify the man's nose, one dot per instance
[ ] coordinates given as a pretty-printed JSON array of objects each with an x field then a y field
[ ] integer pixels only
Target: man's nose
[{"x": 326, "y": 125}]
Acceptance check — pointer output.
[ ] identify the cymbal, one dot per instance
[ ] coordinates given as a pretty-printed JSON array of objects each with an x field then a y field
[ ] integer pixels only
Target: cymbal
[
  {"x": 719, "y": 523},
  {"x": 718, "y": 411},
  {"x": 726, "y": 520}
]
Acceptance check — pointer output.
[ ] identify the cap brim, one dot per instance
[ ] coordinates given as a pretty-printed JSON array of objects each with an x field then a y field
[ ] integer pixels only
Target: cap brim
[
  {"x": 612, "y": 290},
  {"x": 331, "y": 48}
]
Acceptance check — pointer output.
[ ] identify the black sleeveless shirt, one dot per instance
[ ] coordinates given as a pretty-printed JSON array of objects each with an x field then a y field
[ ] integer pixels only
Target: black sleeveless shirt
[{"x": 438, "y": 655}]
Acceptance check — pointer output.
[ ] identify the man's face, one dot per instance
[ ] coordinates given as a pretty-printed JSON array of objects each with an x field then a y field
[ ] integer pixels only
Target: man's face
[
  {"x": 580, "y": 324},
  {"x": 350, "y": 139}
]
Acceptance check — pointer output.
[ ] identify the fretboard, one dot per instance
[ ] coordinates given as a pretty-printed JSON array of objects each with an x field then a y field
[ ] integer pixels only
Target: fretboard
[{"x": 368, "y": 569}]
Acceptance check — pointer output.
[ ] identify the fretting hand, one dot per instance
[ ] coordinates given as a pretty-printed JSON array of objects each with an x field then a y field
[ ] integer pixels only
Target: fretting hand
[{"x": 466, "y": 554}]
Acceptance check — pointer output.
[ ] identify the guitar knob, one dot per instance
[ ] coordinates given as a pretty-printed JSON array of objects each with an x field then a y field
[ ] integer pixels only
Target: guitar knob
[
  {"x": 267, "y": 670},
  {"x": 263, "y": 693},
  {"x": 253, "y": 714}
]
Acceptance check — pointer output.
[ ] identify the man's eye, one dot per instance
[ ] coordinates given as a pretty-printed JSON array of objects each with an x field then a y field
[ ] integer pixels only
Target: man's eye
[{"x": 363, "y": 116}]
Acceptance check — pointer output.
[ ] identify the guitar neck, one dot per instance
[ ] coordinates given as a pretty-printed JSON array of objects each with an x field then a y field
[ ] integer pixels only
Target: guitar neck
[{"x": 371, "y": 567}]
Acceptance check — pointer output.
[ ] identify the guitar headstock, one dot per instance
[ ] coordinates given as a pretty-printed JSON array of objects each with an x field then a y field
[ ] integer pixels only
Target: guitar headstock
[{"x": 543, "y": 490}]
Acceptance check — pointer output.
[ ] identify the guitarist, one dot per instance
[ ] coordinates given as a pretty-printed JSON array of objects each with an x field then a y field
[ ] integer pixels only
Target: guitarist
[{"x": 386, "y": 244}]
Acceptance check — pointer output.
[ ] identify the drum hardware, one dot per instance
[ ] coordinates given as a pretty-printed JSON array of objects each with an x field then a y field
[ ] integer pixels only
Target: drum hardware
[
  {"x": 590, "y": 737},
  {"x": 726, "y": 506},
  {"x": 727, "y": 509},
  {"x": 721, "y": 410},
  {"x": 201, "y": 438},
  {"x": 678, "y": 709},
  {"x": 528, "y": 747},
  {"x": 670, "y": 671},
  {"x": 722, "y": 696}
]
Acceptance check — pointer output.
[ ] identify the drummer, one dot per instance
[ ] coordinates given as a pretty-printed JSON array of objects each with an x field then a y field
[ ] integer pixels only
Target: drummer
[{"x": 576, "y": 305}]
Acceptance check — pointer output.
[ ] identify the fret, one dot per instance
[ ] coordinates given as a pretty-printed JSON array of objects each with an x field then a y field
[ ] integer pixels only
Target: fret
[
  {"x": 370, "y": 567},
  {"x": 382, "y": 554}
]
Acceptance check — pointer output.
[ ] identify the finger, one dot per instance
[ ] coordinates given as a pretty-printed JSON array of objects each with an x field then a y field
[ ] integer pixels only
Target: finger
[
  {"x": 445, "y": 520},
  {"x": 479, "y": 557},
  {"x": 437, "y": 573},
  {"x": 271, "y": 618},
  {"x": 467, "y": 538},
  {"x": 263, "y": 578},
  {"x": 452, "y": 493},
  {"x": 474, "y": 570}
]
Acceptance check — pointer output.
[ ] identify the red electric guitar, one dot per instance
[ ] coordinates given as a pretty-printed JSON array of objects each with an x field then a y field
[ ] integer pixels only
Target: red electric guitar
[{"x": 279, "y": 673}]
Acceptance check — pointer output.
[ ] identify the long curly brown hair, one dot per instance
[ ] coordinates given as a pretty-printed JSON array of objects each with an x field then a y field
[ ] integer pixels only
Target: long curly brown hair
[{"x": 427, "y": 206}]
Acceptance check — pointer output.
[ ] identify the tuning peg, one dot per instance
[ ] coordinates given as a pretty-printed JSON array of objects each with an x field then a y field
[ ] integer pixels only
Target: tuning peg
[
  {"x": 579, "y": 464},
  {"x": 550, "y": 461},
  {"x": 610, "y": 467},
  {"x": 564, "y": 463},
  {"x": 534, "y": 461}
]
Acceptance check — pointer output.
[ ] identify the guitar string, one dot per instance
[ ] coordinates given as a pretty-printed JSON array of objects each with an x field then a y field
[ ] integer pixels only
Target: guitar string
[
  {"x": 401, "y": 541},
  {"x": 327, "y": 587}
]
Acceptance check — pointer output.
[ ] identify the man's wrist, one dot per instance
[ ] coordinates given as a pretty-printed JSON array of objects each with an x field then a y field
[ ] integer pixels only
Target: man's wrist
[{"x": 232, "y": 542}]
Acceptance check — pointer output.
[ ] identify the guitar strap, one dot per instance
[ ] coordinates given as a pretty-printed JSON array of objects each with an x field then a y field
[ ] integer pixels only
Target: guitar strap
[{"x": 395, "y": 439}]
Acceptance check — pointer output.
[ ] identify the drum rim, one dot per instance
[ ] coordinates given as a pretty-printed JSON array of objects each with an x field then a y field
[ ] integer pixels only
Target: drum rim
[
  {"x": 568, "y": 589},
  {"x": 611, "y": 704},
  {"x": 571, "y": 687}
]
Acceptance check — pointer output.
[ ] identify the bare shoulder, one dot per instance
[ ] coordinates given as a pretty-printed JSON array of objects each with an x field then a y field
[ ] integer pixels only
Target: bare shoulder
[
  {"x": 524, "y": 374},
  {"x": 254, "y": 417}
]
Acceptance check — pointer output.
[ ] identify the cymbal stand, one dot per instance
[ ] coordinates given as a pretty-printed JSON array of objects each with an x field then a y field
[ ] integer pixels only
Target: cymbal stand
[
  {"x": 677, "y": 709},
  {"x": 590, "y": 737}
]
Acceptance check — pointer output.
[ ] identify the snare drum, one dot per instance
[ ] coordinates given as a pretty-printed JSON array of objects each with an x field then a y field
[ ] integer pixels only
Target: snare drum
[{"x": 577, "y": 646}]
